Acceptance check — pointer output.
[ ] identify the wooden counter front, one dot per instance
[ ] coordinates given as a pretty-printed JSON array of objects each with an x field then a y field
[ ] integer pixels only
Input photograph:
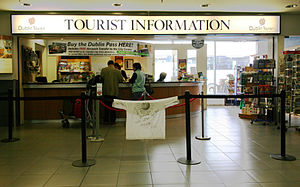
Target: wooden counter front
[
  {"x": 44, "y": 110},
  {"x": 48, "y": 109}
]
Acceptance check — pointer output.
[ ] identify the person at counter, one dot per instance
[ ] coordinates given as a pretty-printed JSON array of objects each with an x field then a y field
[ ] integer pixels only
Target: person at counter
[
  {"x": 111, "y": 77},
  {"x": 162, "y": 77},
  {"x": 138, "y": 81},
  {"x": 180, "y": 75},
  {"x": 123, "y": 73}
]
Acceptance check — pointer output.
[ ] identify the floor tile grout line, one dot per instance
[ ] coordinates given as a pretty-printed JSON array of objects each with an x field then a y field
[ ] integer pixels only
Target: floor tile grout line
[
  {"x": 178, "y": 164},
  {"x": 117, "y": 182},
  {"x": 148, "y": 157},
  {"x": 52, "y": 175}
]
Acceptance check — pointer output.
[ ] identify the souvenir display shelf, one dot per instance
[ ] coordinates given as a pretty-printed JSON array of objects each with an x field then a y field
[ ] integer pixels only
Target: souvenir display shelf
[
  {"x": 289, "y": 80},
  {"x": 71, "y": 69},
  {"x": 259, "y": 80}
]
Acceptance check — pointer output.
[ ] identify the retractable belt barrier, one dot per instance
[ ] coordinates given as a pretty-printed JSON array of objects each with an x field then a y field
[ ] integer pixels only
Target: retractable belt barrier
[
  {"x": 119, "y": 110},
  {"x": 84, "y": 162},
  {"x": 282, "y": 156},
  {"x": 9, "y": 99}
]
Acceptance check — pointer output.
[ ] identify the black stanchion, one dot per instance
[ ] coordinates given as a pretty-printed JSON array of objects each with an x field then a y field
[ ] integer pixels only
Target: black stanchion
[
  {"x": 84, "y": 162},
  {"x": 188, "y": 160},
  {"x": 10, "y": 119},
  {"x": 202, "y": 121},
  {"x": 282, "y": 155}
]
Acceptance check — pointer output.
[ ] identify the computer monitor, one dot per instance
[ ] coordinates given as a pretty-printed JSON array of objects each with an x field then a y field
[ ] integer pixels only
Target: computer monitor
[{"x": 41, "y": 79}]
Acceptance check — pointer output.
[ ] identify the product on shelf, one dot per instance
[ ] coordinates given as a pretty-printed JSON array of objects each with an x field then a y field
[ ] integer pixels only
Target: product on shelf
[
  {"x": 73, "y": 69},
  {"x": 289, "y": 80},
  {"x": 258, "y": 79}
]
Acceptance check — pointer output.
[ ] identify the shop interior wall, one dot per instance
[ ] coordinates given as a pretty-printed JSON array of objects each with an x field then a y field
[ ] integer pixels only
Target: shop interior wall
[
  {"x": 5, "y": 30},
  {"x": 7, "y": 81},
  {"x": 49, "y": 62},
  {"x": 49, "y": 66},
  {"x": 290, "y": 24}
]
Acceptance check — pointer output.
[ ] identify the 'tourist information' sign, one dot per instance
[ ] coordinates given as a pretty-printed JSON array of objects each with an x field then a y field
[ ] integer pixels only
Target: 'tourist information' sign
[{"x": 88, "y": 24}]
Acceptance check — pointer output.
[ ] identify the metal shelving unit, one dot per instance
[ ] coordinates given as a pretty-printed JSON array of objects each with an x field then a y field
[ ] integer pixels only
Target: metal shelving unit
[
  {"x": 289, "y": 79},
  {"x": 260, "y": 80}
]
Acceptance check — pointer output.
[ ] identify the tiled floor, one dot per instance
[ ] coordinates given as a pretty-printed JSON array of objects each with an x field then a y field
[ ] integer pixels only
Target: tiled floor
[{"x": 237, "y": 155}]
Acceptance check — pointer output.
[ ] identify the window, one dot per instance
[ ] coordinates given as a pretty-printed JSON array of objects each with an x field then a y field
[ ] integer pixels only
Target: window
[
  {"x": 221, "y": 67},
  {"x": 192, "y": 61},
  {"x": 166, "y": 61}
]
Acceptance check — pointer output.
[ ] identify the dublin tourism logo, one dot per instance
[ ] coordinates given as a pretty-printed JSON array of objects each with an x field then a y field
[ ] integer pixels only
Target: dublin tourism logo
[
  {"x": 32, "y": 26},
  {"x": 31, "y": 20},
  {"x": 262, "y": 21},
  {"x": 262, "y": 27}
]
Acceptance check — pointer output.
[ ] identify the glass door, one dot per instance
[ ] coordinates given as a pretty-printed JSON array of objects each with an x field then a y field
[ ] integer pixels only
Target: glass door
[{"x": 223, "y": 60}]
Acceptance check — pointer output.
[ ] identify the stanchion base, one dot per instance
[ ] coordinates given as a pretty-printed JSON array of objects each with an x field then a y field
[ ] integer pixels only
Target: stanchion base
[
  {"x": 202, "y": 138},
  {"x": 79, "y": 163},
  {"x": 183, "y": 160},
  {"x": 95, "y": 138},
  {"x": 284, "y": 158},
  {"x": 10, "y": 140}
]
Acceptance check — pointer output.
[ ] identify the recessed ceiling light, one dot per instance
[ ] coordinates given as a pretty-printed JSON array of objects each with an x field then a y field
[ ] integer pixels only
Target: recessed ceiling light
[
  {"x": 117, "y": 4},
  {"x": 24, "y": 4},
  {"x": 204, "y": 5},
  {"x": 291, "y": 6}
]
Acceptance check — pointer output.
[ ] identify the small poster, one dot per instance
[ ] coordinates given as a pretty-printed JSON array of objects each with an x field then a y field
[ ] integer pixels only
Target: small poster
[
  {"x": 119, "y": 60},
  {"x": 57, "y": 48},
  {"x": 128, "y": 64},
  {"x": 5, "y": 54},
  {"x": 98, "y": 48},
  {"x": 182, "y": 65},
  {"x": 99, "y": 89},
  {"x": 143, "y": 49}
]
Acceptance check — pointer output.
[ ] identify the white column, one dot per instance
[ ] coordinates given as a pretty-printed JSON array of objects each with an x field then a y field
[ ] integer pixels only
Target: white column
[{"x": 202, "y": 67}]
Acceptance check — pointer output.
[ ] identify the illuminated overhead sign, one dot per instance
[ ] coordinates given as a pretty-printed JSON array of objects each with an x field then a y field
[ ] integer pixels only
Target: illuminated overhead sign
[{"x": 88, "y": 24}]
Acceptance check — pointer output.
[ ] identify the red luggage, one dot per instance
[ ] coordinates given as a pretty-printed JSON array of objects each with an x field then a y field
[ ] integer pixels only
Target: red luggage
[{"x": 77, "y": 108}]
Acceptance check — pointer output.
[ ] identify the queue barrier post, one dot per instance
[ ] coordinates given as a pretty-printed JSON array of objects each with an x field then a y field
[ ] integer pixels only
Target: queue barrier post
[
  {"x": 202, "y": 121},
  {"x": 282, "y": 156},
  {"x": 10, "y": 119},
  {"x": 84, "y": 162},
  {"x": 188, "y": 160}
]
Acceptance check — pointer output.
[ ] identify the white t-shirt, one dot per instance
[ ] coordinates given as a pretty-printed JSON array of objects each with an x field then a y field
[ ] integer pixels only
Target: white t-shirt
[{"x": 145, "y": 119}]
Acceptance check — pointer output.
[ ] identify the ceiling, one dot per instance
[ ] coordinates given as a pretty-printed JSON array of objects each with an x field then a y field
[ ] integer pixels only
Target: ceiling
[{"x": 255, "y": 6}]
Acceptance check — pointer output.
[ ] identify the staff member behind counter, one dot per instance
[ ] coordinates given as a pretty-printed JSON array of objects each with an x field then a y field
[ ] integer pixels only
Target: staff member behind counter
[
  {"x": 123, "y": 73},
  {"x": 138, "y": 81},
  {"x": 111, "y": 78}
]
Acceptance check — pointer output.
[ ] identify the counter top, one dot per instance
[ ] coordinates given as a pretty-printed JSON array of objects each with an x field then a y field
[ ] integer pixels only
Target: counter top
[{"x": 121, "y": 85}]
